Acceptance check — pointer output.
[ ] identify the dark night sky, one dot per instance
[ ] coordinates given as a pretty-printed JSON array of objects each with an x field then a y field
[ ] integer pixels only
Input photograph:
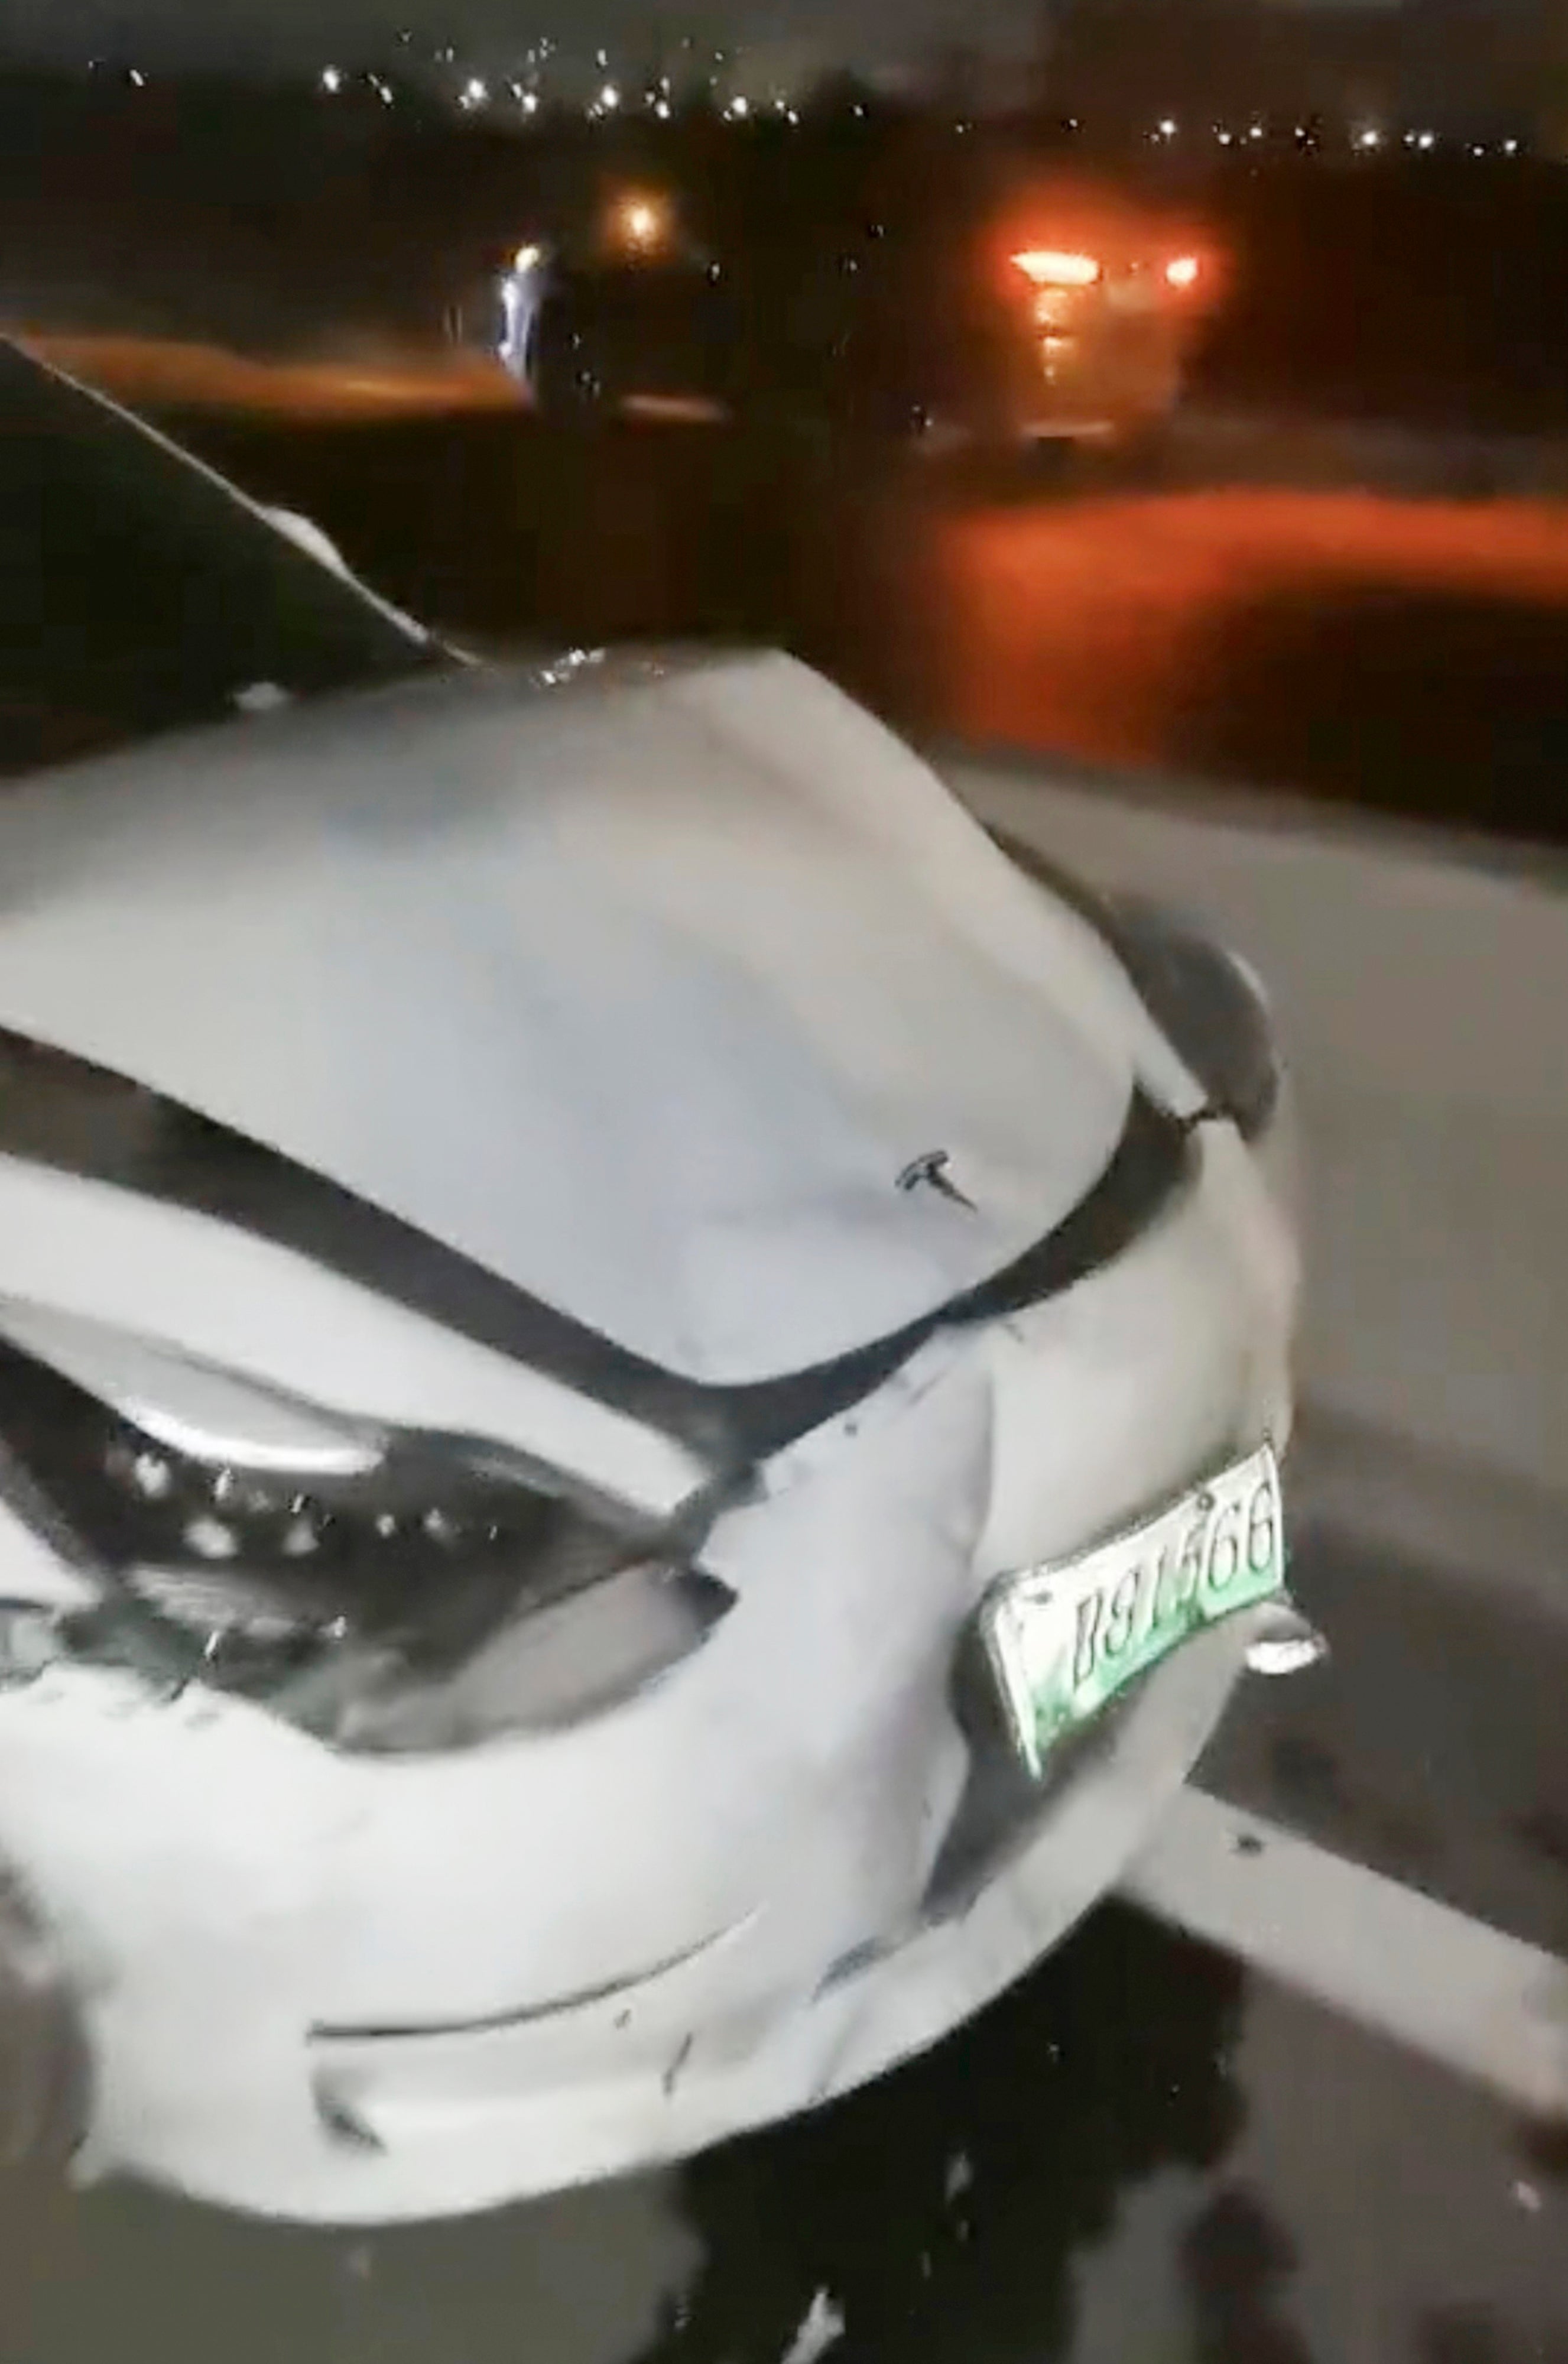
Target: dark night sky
[{"x": 287, "y": 29}]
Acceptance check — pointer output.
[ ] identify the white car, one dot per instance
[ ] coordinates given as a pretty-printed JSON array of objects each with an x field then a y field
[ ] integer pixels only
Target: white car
[{"x": 639, "y": 1385}]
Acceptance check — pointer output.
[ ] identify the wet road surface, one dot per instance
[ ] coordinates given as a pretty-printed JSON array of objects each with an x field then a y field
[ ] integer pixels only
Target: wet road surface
[{"x": 1154, "y": 2151}]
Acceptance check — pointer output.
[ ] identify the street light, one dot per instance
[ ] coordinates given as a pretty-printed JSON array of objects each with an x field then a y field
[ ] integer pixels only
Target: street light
[{"x": 642, "y": 224}]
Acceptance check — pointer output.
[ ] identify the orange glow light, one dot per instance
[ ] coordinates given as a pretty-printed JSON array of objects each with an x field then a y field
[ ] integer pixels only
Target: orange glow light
[
  {"x": 1185, "y": 272},
  {"x": 643, "y": 223},
  {"x": 1048, "y": 267}
]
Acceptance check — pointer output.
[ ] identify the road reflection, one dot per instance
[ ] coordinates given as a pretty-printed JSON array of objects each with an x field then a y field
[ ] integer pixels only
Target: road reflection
[
  {"x": 1413, "y": 655},
  {"x": 1407, "y": 654}
]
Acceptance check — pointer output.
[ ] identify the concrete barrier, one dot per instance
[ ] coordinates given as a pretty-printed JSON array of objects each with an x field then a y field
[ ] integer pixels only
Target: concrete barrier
[{"x": 1422, "y": 997}]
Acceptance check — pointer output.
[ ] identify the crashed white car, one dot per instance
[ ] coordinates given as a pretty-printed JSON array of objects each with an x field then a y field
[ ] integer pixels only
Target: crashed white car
[{"x": 640, "y": 1386}]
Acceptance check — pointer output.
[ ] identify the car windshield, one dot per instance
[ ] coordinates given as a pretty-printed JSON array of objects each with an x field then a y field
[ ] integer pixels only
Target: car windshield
[{"x": 138, "y": 595}]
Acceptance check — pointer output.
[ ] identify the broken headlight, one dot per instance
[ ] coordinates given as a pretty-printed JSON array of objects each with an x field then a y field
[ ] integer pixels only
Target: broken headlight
[{"x": 383, "y": 1587}]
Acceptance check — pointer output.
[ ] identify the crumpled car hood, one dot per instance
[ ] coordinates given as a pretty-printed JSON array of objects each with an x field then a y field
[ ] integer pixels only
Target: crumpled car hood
[{"x": 641, "y": 985}]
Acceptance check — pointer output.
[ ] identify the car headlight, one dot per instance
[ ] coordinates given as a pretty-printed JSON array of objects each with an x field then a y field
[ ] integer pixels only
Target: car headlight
[
  {"x": 1205, "y": 1000},
  {"x": 383, "y": 1587}
]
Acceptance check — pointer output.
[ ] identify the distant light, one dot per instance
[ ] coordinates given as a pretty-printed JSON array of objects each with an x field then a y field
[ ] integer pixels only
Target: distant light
[
  {"x": 1182, "y": 271},
  {"x": 739, "y": 107},
  {"x": 610, "y": 98},
  {"x": 136, "y": 79},
  {"x": 1168, "y": 127},
  {"x": 1510, "y": 147},
  {"x": 791, "y": 115},
  {"x": 1049, "y": 267},
  {"x": 1426, "y": 141},
  {"x": 860, "y": 108},
  {"x": 1477, "y": 149},
  {"x": 1256, "y": 132},
  {"x": 331, "y": 80},
  {"x": 530, "y": 102},
  {"x": 477, "y": 91},
  {"x": 661, "y": 109},
  {"x": 1072, "y": 123},
  {"x": 601, "y": 59},
  {"x": 526, "y": 259},
  {"x": 1226, "y": 139},
  {"x": 1369, "y": 138}
]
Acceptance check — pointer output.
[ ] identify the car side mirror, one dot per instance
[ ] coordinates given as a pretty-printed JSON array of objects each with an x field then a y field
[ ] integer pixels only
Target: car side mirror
[{"x": 306, "y": 535}]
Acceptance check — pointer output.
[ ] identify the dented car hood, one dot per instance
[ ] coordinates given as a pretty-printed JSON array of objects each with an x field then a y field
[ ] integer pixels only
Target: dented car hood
[{"x": 663, "y": 990}]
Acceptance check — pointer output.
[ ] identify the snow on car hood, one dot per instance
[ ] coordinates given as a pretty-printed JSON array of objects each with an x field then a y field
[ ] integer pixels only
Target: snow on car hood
[{"x": 642, "y": 985}]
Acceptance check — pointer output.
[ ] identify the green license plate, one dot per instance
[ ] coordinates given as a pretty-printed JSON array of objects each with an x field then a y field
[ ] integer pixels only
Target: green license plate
[{"x": 1064, "y": 1641}]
